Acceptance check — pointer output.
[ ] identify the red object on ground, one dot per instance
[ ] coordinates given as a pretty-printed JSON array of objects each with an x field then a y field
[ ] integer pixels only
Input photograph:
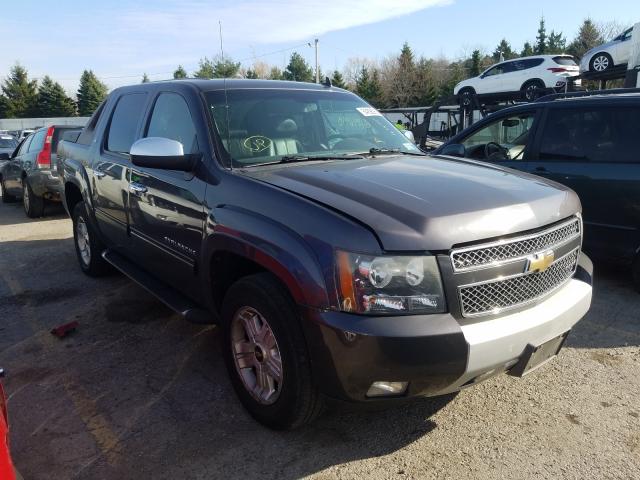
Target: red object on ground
[
  {"x": 6, "y": 466},
  {"x": 64, "y": 330}
]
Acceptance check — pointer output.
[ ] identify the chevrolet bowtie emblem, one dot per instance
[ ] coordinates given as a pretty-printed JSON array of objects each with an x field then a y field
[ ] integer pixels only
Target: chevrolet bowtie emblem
[{"x": 540, "y": 261}]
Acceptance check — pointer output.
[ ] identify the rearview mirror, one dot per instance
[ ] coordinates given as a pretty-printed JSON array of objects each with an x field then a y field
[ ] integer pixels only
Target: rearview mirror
[
  {"x": 510, "y": 122},
  {"x": 409, "y": 135},
  {"x": 164, "y": 153},
  {"x": 5, "y": 156},
  {"x": 454, "y": 150}
]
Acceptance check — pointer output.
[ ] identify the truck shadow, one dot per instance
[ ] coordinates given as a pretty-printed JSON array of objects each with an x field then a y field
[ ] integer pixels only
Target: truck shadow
[
  {"x": 613, "y": 320},
  {"x": 13, "y": 213}
]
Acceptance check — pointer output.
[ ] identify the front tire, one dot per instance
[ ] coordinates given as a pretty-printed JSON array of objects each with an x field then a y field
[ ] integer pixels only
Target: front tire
[
  {"x": 33, "y": 204},
  {"x": 6, "y": 198},
  {"x": 89, "y": 248},
  {"x": 601, "y": 62},
  {"x": 465, "y": 97},
  {"x": 266, "y": 355}
]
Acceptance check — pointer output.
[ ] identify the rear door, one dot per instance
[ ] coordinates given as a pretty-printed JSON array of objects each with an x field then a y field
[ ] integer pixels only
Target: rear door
[
  {"x": 593, "y": 150},
  {"x": 109, "y": 173},
  {"x": 166, "y": 206}
]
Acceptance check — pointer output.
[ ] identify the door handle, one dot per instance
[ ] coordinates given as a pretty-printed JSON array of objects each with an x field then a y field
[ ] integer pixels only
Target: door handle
[
  {"x": 99, "y": 173},
  {"x": 137, "y": 188}
]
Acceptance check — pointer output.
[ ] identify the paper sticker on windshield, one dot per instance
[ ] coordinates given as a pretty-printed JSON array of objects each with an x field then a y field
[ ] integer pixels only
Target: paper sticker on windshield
[{"x": 369, "y": 112}]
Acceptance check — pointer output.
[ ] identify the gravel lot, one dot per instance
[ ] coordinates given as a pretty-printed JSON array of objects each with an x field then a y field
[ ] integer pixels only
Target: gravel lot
[{"x": 139, "y": 393}]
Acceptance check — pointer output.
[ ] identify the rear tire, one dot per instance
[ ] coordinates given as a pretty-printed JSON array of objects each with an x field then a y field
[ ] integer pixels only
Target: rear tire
[
  {"x": 266, "y": 354},
  {"x": 33, "y": 204},
  {"x": 601, "y": 62},
  {"x": 89, "y": 248},
  {"x": 6, "y": 198},
  {"x": 532, "y": 90},
  {"x": 465, "y": 96}
]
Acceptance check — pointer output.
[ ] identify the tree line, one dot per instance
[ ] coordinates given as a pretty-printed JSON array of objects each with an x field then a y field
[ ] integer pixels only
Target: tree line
[{"x": 402, "y": 80}]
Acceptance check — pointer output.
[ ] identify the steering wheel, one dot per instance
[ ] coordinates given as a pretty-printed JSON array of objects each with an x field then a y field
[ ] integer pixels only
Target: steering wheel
[{"x": 495, "y": 151}]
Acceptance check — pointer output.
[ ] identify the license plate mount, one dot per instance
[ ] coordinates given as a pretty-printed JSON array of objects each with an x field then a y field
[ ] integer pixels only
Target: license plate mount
[{"x": 534, "y": 356}]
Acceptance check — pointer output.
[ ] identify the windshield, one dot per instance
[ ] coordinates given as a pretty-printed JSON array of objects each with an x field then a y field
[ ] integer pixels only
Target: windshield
[
  {"x": 8, "y": 143},
  {"x": 258, "y": 126}
]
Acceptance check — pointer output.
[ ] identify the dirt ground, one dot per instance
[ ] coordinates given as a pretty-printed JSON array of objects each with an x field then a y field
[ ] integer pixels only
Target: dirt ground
[{"x": 138, "y": 393}]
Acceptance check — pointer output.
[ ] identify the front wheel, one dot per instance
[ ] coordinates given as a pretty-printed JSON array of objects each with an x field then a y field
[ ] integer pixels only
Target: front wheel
[
  {"x": 601, "y": 62},
  {"x": 465, "y": 97},
  {"x": 33, "y": 204},
  {"x": 266, "y": 355},
  {"x": 89, "y": 248}
]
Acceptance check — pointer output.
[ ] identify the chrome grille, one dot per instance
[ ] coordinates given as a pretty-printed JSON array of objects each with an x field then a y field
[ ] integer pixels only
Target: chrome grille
[
  {"x": 497, "y": 295},
  {"x": 509, "y": 250}
]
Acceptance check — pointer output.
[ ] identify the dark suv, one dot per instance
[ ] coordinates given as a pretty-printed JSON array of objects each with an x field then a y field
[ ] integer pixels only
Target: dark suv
[
  {"x": 588, "y": 142},
  {"x": 338, "y": 259},
  {"x": 31, "y": 173}
]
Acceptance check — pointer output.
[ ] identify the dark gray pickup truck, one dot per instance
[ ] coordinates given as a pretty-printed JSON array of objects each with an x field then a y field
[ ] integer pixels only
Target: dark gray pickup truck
[{"x": 340, "y": 261}]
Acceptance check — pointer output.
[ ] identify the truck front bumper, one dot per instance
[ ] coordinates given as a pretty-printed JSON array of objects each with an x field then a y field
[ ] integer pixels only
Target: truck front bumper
[{"x": 435, "y": 354}]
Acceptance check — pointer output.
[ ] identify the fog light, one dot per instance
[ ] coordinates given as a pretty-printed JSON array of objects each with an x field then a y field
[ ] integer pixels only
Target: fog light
[{"x": 386, "y": 389}]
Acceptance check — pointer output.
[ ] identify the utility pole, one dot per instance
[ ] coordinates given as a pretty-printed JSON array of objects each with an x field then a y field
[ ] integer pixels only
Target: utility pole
[{"x": 317, "y": 70}]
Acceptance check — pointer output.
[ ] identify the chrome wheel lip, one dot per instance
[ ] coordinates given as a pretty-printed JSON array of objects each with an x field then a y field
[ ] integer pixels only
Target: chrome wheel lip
[
  {"x": 82, "y": 241},
  {"x": 600, "y": 63},
  {"x": 256, "y": 355}
]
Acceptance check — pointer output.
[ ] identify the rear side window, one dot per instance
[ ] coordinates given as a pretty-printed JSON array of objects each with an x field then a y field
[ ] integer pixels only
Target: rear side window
[
  {"x": 566, "y": 61},
  {"x": 25, "y": 146},
  {"x": 591, "y": 135},
  {"x": 171, "y": 119},
  {"x": 532, "y": 62},
  {"x": 124, "y": 122},
  {"x": 37, "y": 142}
]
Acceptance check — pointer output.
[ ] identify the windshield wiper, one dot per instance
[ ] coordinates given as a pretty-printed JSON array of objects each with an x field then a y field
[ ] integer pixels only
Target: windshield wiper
[
  {"x": 309, "y": 158},
  {"x": 391, "y": 151}
]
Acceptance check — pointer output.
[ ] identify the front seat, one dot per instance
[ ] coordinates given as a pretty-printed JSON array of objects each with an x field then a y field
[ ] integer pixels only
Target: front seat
[{"x": 284, "y": 141}]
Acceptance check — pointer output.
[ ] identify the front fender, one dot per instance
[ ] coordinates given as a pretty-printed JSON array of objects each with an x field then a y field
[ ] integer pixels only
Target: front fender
[
  {"x": 270, "y": 244},
  {"x": 74, "y": 173}
]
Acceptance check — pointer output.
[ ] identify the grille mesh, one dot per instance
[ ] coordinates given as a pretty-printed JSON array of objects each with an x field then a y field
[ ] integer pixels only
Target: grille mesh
[
  {"x": 486, "y": 297},
  {"x": 518, "y": 248}
]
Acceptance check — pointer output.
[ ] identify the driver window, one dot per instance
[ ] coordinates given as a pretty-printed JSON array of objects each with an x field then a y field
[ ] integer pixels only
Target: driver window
[
  {"x": 511, "y": 133},
  {"x": 171, "y": 119},
  {"x": 497, "y": 70}
]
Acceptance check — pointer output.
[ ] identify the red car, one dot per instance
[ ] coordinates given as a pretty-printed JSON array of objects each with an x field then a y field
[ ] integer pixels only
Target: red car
[{"x": 6, "y": 466}]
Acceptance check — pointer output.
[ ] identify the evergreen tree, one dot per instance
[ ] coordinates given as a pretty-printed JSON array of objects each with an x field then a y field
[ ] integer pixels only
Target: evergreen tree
[
  {"x": 368, "y": 86},
  {"x": 588, "y": 38},
  {"x": 251, "y": 74},
  {"x": 475, "y": 63},
  {"x": 4, "y": 106},
  {"x": 505, "y": 49},
  {"x": 557, "y": 43},
  {"x": 180, "y": 73},
  {"x": 298, "y": 69},
  {"x": 275, "y": 74},
  {"x": 20, "y": 93},
  {"x": 225, "y": 68},
  {"x": 205, "y": 69},
  {"x": 337, "y": 80},
  {"x": 91, "y": 93},
  {"x": 426, "y": 86},
  {"x": 145, "y": 78},
  {"x": 53, "y": 101},
  {"x": 527, "y": 50},
  {"x": 541, "y": 39}
]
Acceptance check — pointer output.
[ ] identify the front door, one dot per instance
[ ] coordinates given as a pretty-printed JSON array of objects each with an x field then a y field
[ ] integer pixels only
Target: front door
[
  {"x": 166, "y": 206},
  {"x": 13, "y": 169},
  {"x": 593, "y": 150},
  {"x": 110, "y": 172}
]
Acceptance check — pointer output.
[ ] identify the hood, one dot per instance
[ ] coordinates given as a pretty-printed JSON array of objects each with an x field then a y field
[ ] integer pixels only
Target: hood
[{"x": 427, "y": 203}]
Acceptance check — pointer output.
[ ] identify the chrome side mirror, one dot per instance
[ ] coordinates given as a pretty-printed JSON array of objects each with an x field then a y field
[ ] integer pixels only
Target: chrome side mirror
[{"x": 163, "y": 153}]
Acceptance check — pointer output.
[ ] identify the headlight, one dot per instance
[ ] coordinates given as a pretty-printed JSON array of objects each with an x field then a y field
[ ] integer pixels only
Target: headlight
[{"x": 389, "y": 284}]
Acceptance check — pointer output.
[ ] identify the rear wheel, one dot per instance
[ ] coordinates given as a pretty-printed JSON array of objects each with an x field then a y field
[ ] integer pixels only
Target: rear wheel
[
  {"x": 532, "y": 90},
  {"x": 465, "y": 96},
  {"x": 266, "y": 353},
  {"x": 33, "y": 204},
  {"x": 601, "y": 62},
  {"x": 6, "y": 198},
  {"x": 89, "y": 248}
]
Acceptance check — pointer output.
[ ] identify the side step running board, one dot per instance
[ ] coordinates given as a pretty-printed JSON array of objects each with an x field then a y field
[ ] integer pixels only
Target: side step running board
[{"x": 167, "y": 295}]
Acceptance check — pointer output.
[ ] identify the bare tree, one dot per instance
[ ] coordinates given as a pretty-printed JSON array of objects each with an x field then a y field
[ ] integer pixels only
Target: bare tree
[{"x": 611, "y": 29}]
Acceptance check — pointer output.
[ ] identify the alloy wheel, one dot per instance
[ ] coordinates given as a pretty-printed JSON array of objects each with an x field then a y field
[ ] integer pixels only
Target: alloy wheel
[
  {"x": 82, "y": 240},
  {"x": 256, "y": 355},
  {"x": 600, "y": 63}
]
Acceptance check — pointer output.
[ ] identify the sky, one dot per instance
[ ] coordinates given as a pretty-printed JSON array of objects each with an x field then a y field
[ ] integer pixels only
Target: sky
[{"x": 122, "y": 39}]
